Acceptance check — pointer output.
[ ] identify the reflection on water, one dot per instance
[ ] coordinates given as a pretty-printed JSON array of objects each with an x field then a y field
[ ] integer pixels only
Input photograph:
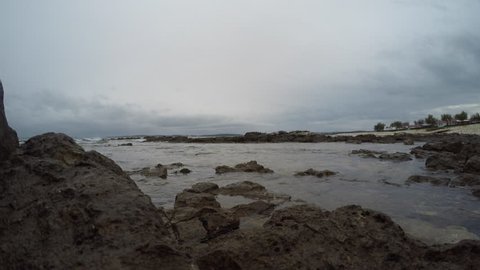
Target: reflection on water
[{"x": 433, "y": 214}]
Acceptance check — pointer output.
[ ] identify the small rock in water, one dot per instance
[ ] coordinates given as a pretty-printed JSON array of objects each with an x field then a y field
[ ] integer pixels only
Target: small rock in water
[
  {"x": 316, "y": 173},
  {"x": 251, "y": 166},
  {"x": 185, "y": 171},
  {"x": 428, "y": 179}
]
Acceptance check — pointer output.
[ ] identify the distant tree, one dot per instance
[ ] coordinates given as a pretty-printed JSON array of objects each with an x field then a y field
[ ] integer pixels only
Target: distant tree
[
  {"x": 379, "y": 127},
  {"x": 396, "y": 124},
  {"x": 431, "y": 120},
  {"x": 419, "y": 122},
  {"x": 446, "y": 118},
  {"x": 405, "y": 124},
  {"x": 461, "y": 116},
  {"x": 475, "y": 117}
]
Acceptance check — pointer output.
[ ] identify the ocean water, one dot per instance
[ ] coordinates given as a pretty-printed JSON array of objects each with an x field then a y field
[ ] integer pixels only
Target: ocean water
[{"x": 429, "y": 213}]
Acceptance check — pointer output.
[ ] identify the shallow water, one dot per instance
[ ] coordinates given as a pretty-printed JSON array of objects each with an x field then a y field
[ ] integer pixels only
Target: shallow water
[{"x": 429, "y": 213}]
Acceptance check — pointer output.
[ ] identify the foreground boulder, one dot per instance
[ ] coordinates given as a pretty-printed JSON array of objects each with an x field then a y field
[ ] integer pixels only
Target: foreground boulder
[
  {"x": 8, "y": 136},
  {"x": 251, "y": 166},
  {"x": 306, "y": 237},
  {"x": 64, "y": 208}
]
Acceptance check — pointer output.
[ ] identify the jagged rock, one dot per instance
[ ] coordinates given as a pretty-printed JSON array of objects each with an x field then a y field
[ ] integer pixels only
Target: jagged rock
[
  {"x": 452, "y": 147},
  {"x": 251, "y": 166},
  {"x": 316, "y": 173},
  {"x": 203, "y": 187},
  {"x": 8, "y": 136},
  {"x": 473, "y": 165},
  {"x": 71, "y": 209},
  {"x": 395, "y": 156},
  {"x": 428, "y": 179},
  {"x": 367, "y": 152},
  {"x": 306, "y": 237},
  {"x": 158, "y": 171},
  {"x": 419, "y": 152},
  {"x": 195, "y": 200},
  {"x": 256, "y": 207}
]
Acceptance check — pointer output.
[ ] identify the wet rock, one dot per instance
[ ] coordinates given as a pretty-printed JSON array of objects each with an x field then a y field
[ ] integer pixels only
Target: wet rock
[
  {"x": 185, "y": 171},
  {"x": 158, "y": 171},
  {"x": 466, "y": 180},
  {"x": 408, "y": 141},
  {"x": 251, "y": 166},
  {"x": 218, "y": 223},
  {"x": 316, "y": 173},
  {"x": 126, "y": 144},
  {"x": 306, "y": 237},
  {"x": 443, "y": 161},
  {"x": 242, "y": 188},
  {"x": 252, "y": 190},
  {"x": 444, "y": 146},
  {"x": 256, "y": 207},
  {"x": 203, "y": 187},
  {"x": 419, "y": 152},
  {"x": 195, "y": 200},
  {"x": 473, "y": 165},
  {"x": 428, "y": 179},
  {"x": 395, "y": 156},
  {"x": 224, "y": 169},
  {"x": 8, "y": 136},
  {"x": 71, "y": 209}
]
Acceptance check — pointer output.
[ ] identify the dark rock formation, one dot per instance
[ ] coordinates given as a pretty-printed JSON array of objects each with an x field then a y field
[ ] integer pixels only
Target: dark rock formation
[
  {"x": 158, "y": 171},
  {"x": 185, "y": 171},
  {"x": 428, "y": 179},
  {"x": 316, "y": 173},
  {"x": 8, "y": 136},
  {"x": 473, "y": 165},
  {"x": 203, "y": 187},
  {"x": 64, "y": 208},
  {"x": 126, "y": 144},
  {"x": 395, "y": 156},
  {"x": 443, "y": 161},
  {"x": 195, "y": 200},
  {"x": 306, "y": 237},
  {"x": 398, "y": 156},
  {"x": 251, "y": 166}
]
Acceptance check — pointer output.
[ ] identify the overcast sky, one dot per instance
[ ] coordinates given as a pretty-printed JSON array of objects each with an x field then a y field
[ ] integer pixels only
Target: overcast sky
[{"x": 118, "y": 67}]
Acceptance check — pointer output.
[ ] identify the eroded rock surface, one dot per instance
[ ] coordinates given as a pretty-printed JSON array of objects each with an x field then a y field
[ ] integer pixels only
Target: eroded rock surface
[
  {"x": 306, "y": 237},
  {"x": 64, "y": 208}
]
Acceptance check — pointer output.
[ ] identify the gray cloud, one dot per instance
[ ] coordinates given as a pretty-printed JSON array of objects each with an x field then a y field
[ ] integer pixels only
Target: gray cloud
[{"x": 195, "y": 68}]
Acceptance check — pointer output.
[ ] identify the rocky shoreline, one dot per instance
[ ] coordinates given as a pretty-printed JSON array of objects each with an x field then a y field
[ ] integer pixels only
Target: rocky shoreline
[
  {"x": 311, "y": 137},
  {"x": 65, "y": 208}
]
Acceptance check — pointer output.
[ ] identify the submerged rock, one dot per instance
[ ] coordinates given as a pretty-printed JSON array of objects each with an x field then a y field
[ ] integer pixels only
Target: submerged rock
[
  {"x": 203, "y": 187},
  {"x": 395, "y": 156},
  {"x": 428, "y": 179},
  {"x": 8, "y": 136},
  {"x": 443, "y": 161},
  {"x": 251, "y": 166},
  {"x": 185, "y": 171},
  {"x": 316, "y": 173}
]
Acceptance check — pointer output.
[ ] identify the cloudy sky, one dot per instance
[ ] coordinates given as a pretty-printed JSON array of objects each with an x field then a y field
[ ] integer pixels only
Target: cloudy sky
[{"x": 122, "y": 67}]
